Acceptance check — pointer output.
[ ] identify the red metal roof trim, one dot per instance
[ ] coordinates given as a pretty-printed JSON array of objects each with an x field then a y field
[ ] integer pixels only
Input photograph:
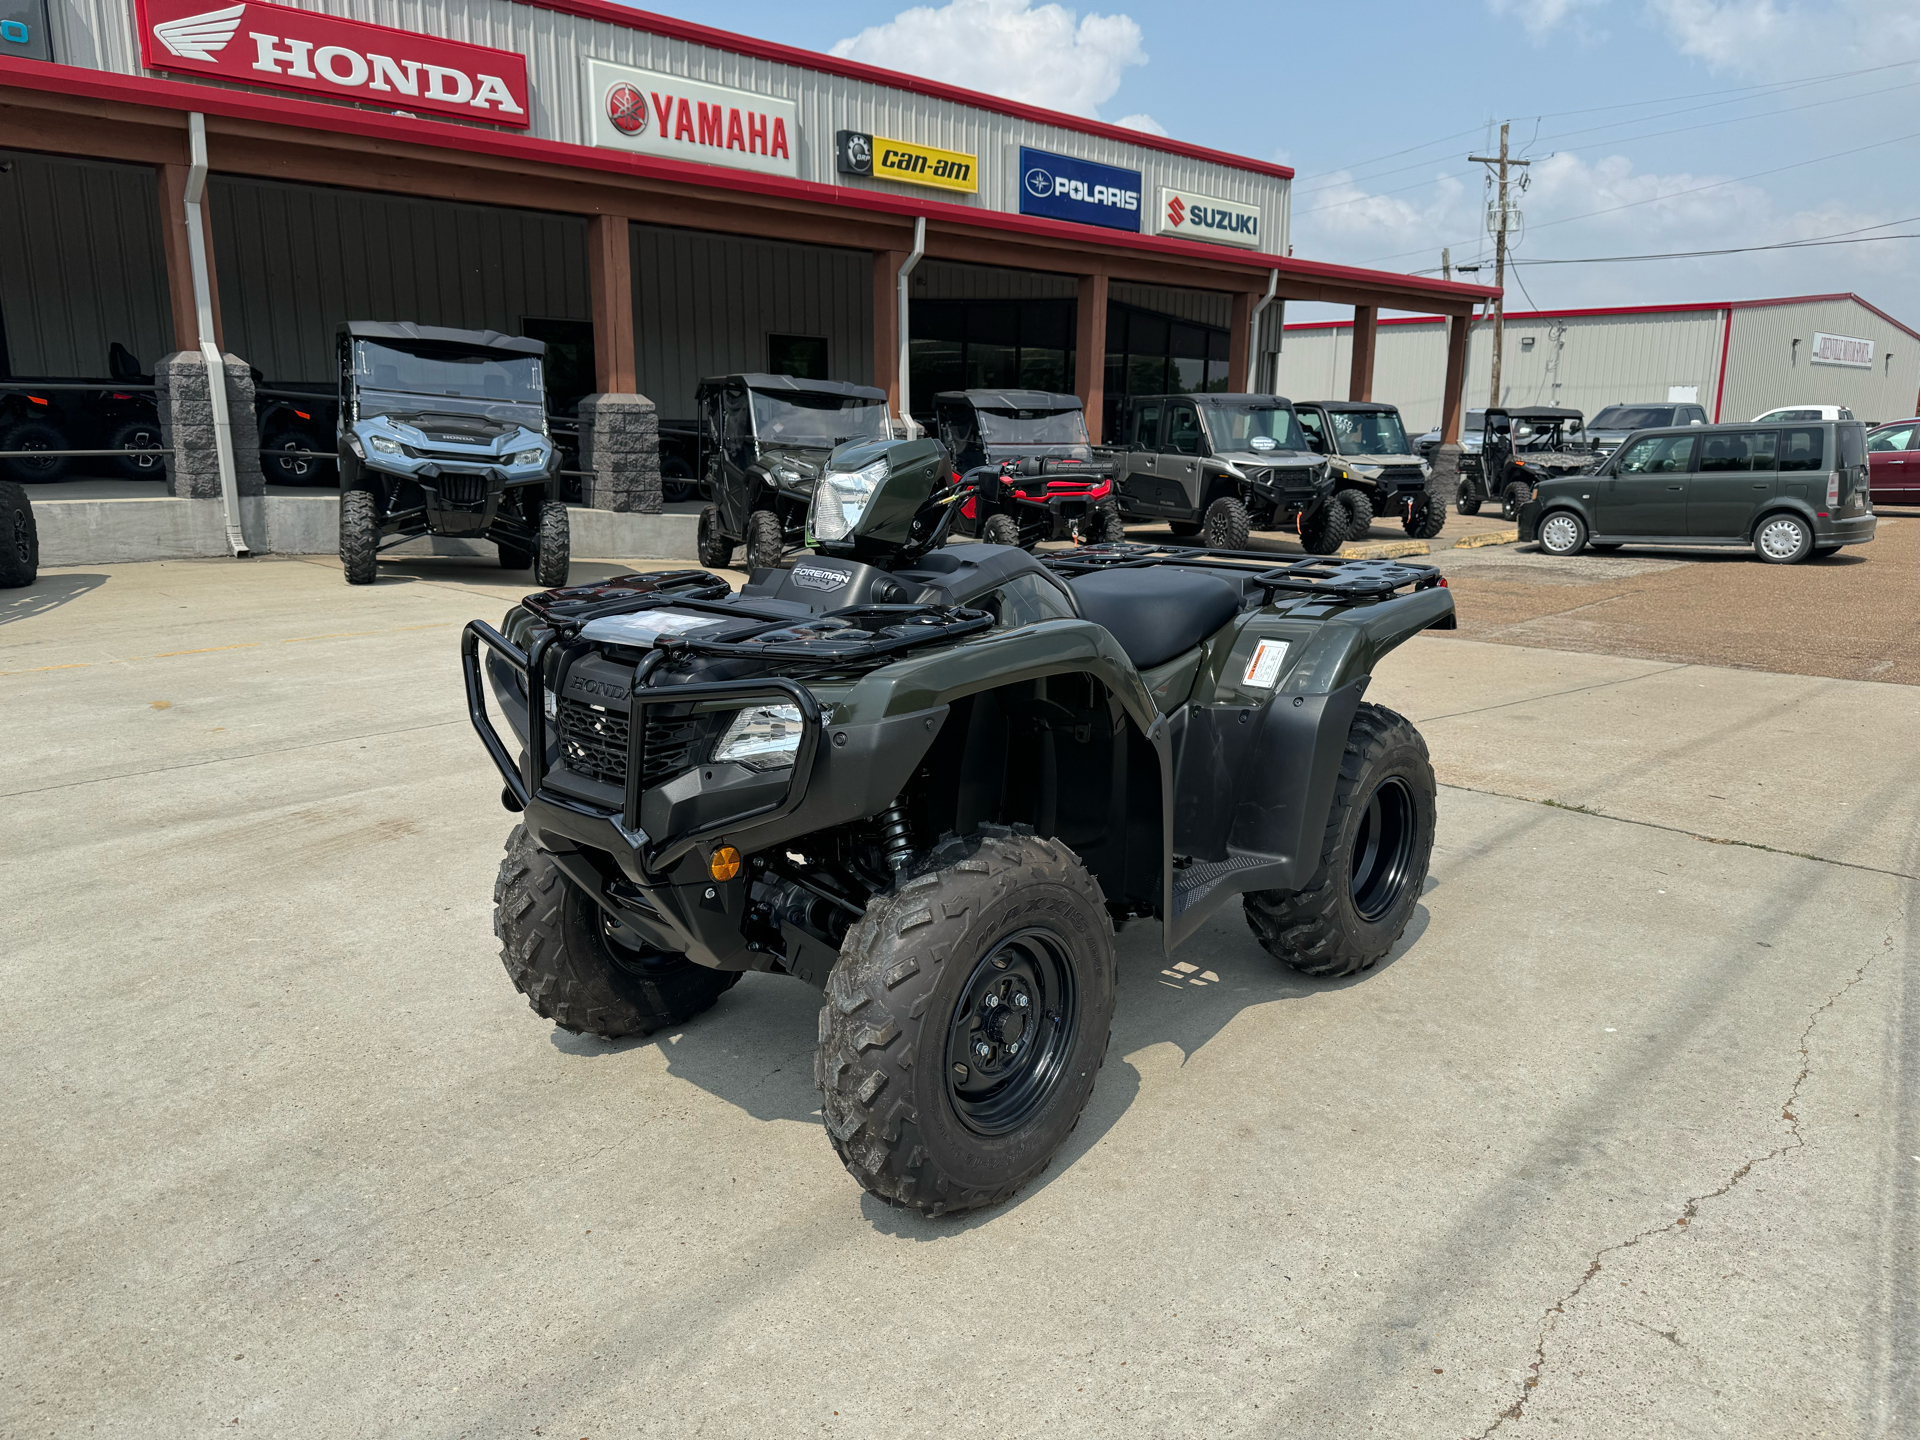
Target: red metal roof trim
[
  {"x": 354, "y": 120},
  {"x": 1680, "y": 307},
  {"x": 671, "y": 29}
]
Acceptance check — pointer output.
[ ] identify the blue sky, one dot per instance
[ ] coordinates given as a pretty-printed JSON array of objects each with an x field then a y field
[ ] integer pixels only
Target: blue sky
[{"x": 1683, "y": 122}]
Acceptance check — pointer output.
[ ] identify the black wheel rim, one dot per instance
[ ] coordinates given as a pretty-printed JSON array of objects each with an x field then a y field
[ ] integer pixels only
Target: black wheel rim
[
  {"x": 626, "y": 948},
  {"x": 1011, "y": 1033},
  {"x": 1384, "y": 842}
]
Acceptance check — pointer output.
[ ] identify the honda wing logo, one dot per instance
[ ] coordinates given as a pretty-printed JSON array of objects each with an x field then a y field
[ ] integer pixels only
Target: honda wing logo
[{"x": 197, "y": 37}]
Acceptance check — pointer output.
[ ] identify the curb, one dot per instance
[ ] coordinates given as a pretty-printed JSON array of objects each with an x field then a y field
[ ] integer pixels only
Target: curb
[
  {"x": 1384, "y": 550},
  {"x": 1492, "y": 537}
]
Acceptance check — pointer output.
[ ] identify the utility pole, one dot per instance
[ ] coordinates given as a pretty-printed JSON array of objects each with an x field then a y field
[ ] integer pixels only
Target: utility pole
[
  {"x": 1500, "y": 254},
  {"x": 1447, "y": 265}
]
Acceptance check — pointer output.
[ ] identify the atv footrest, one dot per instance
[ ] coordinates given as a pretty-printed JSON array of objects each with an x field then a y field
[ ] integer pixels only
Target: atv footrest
[{"x": 1195, "y": 883}]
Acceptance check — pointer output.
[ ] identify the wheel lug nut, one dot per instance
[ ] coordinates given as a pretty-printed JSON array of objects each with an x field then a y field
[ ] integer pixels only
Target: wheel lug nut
[
  {"x": 1021, "y": 999},
  {"x": 983, "y": 1050},
  {"x": 990, "y": 1000},
  {"x": 1013, "y": 1048}
]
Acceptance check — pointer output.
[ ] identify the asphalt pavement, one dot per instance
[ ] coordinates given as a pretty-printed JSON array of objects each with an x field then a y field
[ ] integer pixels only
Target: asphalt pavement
[{"x": 1621, "y": 1139}]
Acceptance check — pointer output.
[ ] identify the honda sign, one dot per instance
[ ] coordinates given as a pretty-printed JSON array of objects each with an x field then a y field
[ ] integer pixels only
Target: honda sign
[{"x": 287, "y": 49}]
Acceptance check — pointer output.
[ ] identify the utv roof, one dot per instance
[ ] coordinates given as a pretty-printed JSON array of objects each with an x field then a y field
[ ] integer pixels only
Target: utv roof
[
  {"x": 1535, "y": 412},
  {"x": 1238, "y": 397},
  {"x": 1012, "y": 399},
  {"x": 792, "y": 385},
  {"x": 1352, "y": 406},
  {"x": 406, "y": 330}
]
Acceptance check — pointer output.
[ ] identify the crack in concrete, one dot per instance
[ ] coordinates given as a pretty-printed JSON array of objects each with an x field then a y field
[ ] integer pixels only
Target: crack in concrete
[
  {"x": 1689, "y": 1210},
  {"x": 1676, "y": 830}
]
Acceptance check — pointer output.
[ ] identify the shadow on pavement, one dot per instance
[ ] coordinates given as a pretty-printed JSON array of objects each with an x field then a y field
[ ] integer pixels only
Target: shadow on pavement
[
  {"x": 50, "y": 592},
  {"x": 755, "y": 1049}
]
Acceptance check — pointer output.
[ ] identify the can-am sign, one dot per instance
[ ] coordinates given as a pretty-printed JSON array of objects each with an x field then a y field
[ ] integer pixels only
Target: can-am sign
[
  {"x": 287, "y": 49},
  {"x": 1842, "y": 350},
  {"x": 1207, "y": 217},
  {"x": 682, "y": 119}
]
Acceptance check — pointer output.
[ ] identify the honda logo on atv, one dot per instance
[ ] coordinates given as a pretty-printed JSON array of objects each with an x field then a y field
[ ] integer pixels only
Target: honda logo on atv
[{"x": 305, "y": 50}]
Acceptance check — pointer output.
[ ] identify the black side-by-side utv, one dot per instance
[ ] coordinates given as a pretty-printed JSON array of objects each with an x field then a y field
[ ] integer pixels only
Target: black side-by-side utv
[
  {"x": 1520, "y": 444},
  {"x": 1041, "y": 479},
  {"x": 931, "y": 780},
  {"x": 764, "y": 440},
  {"x": 444, "y": 432}
]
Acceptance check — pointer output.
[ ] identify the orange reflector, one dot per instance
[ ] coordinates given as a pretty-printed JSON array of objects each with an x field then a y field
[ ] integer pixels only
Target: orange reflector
[
  {"x": 724, "y": 865},
  {"x": 36, "y": 400},
  {"x": 303, "y": 415}
]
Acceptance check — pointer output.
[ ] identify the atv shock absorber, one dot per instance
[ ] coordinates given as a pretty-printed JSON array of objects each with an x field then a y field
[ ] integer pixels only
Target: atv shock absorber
[{"x": 896, "y": 836}]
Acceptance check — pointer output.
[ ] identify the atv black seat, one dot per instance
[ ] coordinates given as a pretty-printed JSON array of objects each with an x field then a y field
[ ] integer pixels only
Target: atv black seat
[{"x": 1156, "y": 614}]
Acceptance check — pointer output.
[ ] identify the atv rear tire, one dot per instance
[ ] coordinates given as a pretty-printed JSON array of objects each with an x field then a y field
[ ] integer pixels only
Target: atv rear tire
[
  {"x": 1323, "y": 532},
  {"x": 714, "y": 550},
  {"x": 554, "y": 554},
  {"x": 1226, "y": 524},
  {"x": 938, "y": 971},
  {"x": 1000, "y": 529},
  {"x": 579, "y": 970},
  {"x": 765, "y": 542},
  {"x": 1374, "y": 856},
  {"x": 19, "y": 538},
  {"x": 359, "y": 537}
]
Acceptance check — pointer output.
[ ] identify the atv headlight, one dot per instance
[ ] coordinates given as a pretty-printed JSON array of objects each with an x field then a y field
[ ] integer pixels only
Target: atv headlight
[
  {"x": 762, "y": 737},
  {"x": 841, "y": 498},
  {"x": 530, "y": 457},
  {"x": 385, "y": 446}
]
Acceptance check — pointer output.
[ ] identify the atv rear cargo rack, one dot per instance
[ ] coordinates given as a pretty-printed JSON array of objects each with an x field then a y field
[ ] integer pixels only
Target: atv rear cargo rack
[{"x": 1332, "y": 577}]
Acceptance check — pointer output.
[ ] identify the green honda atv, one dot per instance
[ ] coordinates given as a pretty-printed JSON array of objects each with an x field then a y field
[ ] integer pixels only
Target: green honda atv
[{"x": 932, "y": 780}]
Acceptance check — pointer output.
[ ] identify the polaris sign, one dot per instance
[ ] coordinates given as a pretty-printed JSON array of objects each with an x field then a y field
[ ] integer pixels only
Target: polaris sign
[
  {"x": 1207, "y": 217},
  {"x": 1063, "y": 188}
]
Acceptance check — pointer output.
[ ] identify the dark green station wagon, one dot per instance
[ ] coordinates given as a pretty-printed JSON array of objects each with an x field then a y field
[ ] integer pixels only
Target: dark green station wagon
[{"x": 1789, "y": 491}]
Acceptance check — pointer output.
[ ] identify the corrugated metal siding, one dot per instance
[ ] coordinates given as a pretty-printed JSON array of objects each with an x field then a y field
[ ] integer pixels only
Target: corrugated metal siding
[
  {"x": 1766, "y": 370},
  {"x": 81, "y": 265},
  {"x": 704, "y": 305},
  {"x": 99, "y": 34},
  {"x": 1208, "y": 307},
  {"x": 944, "y": 280},
  {"x": 314, "y": 257}
]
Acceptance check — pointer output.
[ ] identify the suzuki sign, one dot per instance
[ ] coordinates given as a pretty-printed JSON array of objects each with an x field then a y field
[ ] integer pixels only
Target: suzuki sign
[
  {"x": 273, "y": 45},
  {"x": 681, "y": 119},
  {"x": 1207, "y": 217}
]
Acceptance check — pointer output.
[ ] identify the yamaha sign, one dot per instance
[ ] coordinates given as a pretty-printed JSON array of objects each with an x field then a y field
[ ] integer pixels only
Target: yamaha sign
[
  {"x": 1207, "y": 217},
  {"x": 1063, "y": 188}
]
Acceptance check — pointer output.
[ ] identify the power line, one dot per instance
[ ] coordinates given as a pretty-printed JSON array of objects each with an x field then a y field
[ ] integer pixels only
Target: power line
[{"x": 1731, "y": 250}]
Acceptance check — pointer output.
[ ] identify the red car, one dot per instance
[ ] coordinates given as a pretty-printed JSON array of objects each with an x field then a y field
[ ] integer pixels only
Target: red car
[{"x": 1894, "y": 468}]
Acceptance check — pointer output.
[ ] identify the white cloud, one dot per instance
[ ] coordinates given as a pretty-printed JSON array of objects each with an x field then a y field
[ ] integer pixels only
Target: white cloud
[
  {"x": 1643, "y": 213},
  {"x": 1037, "y": 54},
  {"x": 1541, "y": 17},
  {"x": 1145, "y": 123},
  {"x": 1772, "y": 39}
]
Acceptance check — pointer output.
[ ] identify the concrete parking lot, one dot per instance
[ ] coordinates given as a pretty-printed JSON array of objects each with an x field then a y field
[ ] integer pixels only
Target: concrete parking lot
[{"x": 1621, "y": 1139}]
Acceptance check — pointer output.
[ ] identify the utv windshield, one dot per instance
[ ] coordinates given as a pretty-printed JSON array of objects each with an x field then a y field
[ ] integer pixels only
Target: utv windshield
[
  {"x": 1369, "y": 432},
  {"x": 1634, "y": 417},
  {"x": 441, "y": 370},
  {"x": 1032, "y": 427},
  {"x": 1254, "y": 427},
  {"x": 817, "y": 422}
]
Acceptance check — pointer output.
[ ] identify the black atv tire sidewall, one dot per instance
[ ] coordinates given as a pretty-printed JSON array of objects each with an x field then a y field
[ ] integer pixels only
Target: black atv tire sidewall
[
  {"x": 1226, "y": 524},
  {"x": 904, "y": 968},
  {"x": 1000, "y": 529},
  {"x": 1427, "y": 520},
  {"x": 765, "y": 542},
  {"x": 555, "y": 954},
  {"x": 142, "y": 437},
  {"x": 34, "y": 435},
  {"x": 553, "y": 553},
  {"x": 1320, "y": 930},
  {"x": 19, "y": 538},
  {"x": 359, "y": 537},
  {"x": 1518, "y": 494},
  {"x": 714, "y": 550},
  {"x": 1109, "y": 528}
]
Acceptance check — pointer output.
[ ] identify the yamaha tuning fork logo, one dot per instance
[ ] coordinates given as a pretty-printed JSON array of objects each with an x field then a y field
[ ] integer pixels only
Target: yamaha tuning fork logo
[{"x": 627, "y": 109}]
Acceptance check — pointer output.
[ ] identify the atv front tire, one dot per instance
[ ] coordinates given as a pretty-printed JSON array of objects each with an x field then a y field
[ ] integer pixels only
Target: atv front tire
[
  {"x": 1424, "y": 519},
  {"x": 1323, "y": 532},
  {"x": 1374, "y": 856},
  {"x": 1359, "y": 506},
  {"x": 1226, "y": 524},
  {"x": 555, "y": 548},
  {"x": 1106, "y": 526},
  {"x": 965, "y": 1022},
  {"x": 1000, "y": 529},
  {"x": 765, "y": 542},
  {"x": 1468, "y": 501},
  {"x": 359, "y": 537},
  {"x": 19, "y": 538},
  {"x": 1513, "y": 498},
  {"x": 715, "y": 551},
  {"x": 577, "y": 968}
]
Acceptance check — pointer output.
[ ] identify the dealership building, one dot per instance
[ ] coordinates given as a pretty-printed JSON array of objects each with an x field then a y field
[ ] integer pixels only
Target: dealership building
[
  {"x": 659, "y": 201},
  {"x": 1734, "y": 358}
]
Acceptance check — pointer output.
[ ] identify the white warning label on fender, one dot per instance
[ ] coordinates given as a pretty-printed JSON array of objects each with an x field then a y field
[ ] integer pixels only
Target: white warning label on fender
[{"x": 1265, "y": 668}]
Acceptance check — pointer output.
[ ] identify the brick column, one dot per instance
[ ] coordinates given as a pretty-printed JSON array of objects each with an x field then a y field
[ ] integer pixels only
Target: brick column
[
  {"x": 1360, "y": 375},
  {"x": 186, "y": 426},
  {"x": 1090, "y": 352},
  {"x": 620, "y": 445}
]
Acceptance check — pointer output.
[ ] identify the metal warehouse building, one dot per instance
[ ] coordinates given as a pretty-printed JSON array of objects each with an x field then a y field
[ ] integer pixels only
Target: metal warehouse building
[
  {"x": 1736, "y": 358},
  {"x": 658, "y": 200}
]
